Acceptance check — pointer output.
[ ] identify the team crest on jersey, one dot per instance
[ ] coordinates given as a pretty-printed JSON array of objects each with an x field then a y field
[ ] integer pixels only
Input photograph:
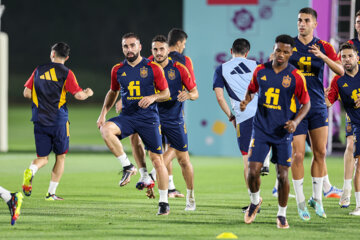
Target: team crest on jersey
[
  {"x": 143, "y": 72},
  {"x": 348, "y": 128},
  {"x": 286, "y": 81},
  {"x": 171, "y": 74}
]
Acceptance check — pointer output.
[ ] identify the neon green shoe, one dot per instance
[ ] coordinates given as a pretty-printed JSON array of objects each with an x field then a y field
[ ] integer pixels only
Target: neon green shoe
[
  {"x": 27, "y": 182},
  {"x": 15, "y": 205},
  {"x": 52, "y": 197}
]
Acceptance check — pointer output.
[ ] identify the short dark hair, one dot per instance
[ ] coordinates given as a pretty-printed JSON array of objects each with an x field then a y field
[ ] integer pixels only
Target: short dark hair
[
  {"x": 61, "y": 49},
  {"x": 310, "y": 11},
  {"x": 159, "y": 38},
  {"x": 347, "y": 45},
  {"x": 241, "y": 46},
  {"x": 357, "y": 14},
  {"x": 175, "y": 35},
  {"x": 130, "y": 35},
  {"x": 284, "y": 38}
]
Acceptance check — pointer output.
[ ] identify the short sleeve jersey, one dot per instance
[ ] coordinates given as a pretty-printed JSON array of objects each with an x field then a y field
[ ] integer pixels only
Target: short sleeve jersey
[
  {"x": 312, "y": 68},
  {"x": 136, "y": 82},
  {"x": 185, "y": 60},
  {"x": 276, "y": 101},
  {"x": 346, "y": 88},
  {"x": 235, "y": 75},
  {"x": 178, "y": 78},
  {"x": 49, "y": 84}
]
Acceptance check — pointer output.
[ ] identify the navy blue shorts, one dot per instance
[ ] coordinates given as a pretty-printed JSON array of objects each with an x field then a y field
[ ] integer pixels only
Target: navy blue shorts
[
  {"x": 243, "y": 132},
  {"x": 316, "y": 118},
  {"x": 260, "y": 147},
  {"x": 149, "y": 132},
  {"x": 349, "y": 131},
  {"x": 49, "y": 138},
  {"x": 176, "y": 134},
  {"x": 356, "y": 141}
]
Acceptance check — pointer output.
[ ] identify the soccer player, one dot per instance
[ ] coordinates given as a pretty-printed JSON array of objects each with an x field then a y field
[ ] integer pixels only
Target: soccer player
[
  {"x": 276, "y": 119},
  {"x": 47, "y": 88},
  {"x": 310, "y": 55},
  {"x": 349, "y": 161},
  {"x": 182, "y": 87},
  {"x": 14, "y": 202},
  {"x": 177, "y": 41},
  {"x": 347, "y": 88},
  {"x": 235, "y": 75},
  {"x": 137, "y": 79}
]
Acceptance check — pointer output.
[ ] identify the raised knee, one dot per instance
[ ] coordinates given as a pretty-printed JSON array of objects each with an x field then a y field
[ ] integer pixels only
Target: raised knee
[{"x": 106, "y": 131}]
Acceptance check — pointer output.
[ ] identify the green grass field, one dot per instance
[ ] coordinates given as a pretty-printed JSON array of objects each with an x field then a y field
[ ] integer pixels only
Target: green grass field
[{"x": 95, "y": 207}]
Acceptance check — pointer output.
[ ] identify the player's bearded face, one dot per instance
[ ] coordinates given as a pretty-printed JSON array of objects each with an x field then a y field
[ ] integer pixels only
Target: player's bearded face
[
  {"x": 306, "y": 24},
  {"x": 131, "y": 49},
  {"x": 282, "y": 53},
  {"x": 160, "y": 51},
  {"x": 349, "y": 59}
]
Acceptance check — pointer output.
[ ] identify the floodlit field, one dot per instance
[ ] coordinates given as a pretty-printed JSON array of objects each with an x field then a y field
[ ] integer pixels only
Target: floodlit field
[{"x": 96, "y": 207}]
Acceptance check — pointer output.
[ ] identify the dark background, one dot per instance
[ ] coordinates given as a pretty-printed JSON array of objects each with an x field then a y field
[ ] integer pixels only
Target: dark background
[{"x": 93, "y": 29}]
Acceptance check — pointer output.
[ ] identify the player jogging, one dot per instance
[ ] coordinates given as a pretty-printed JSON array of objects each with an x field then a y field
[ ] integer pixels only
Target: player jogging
[
  {"x": 137, "y": 79},
  {"x": 276, "y": 119},
  {"x": 347, "y": 88},
  {"x": 47, "y": 88}
]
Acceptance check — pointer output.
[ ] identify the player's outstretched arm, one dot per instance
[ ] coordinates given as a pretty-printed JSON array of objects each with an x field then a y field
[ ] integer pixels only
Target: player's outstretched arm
[
  {"x": 291, "y": 125},
  {"x": 109, "y": 101},
  {"x": 146, "y": 101},
  {"x": 192, "y": 95},
  {"x": 84, "y": 94},
  {"x": 27, "y": 93}
]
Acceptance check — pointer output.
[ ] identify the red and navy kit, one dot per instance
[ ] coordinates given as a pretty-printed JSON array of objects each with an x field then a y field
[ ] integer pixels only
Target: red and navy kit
[
  {"x": 276, "y": 105},
  {"x": 181, "y": 58},
  {"x": 347, "y": 88},
  {"x": 348, "y": 126},
  {"x": 171, "y": 111},
  {"x": 178, "y": 77},
  {"x": 312, "y": 68},
  {"x": 134, "y": 83},
  {"x": 49, "y": 84}
]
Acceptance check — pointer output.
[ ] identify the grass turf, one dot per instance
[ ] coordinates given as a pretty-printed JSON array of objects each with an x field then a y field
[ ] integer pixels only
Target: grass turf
[{"x": 95, "y": 207}]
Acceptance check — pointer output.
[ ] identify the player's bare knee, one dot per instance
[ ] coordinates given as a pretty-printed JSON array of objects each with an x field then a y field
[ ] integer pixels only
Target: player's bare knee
[
  {"x": 282, "y": 178},
  {"x": 157, "y": 163},
  {"x": 319, "y": 155},
  {"x": 106, "y": 131},
  {"x": 298, "y": 157}
]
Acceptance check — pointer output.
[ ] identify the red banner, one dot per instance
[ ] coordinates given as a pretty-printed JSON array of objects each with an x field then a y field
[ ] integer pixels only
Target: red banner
[{"x": 232, "y": 2}]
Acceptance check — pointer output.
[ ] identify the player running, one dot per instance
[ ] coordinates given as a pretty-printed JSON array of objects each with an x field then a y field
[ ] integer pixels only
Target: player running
[
  {"x": 47, "y": 88},
  {"x": 235, "y": 75},
  {"x": 347, "y": 88},
  {"x": 182, "y": 87},
  {"x": 141, "y": 83},
  {"x": 14, "y": 202},
  {"x": 276, "y": 119},
  {"x": 310, "y": 54}
]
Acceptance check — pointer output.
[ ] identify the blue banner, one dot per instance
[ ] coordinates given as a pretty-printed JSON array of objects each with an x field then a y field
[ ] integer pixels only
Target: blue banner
[{"x": 212, "y": 28}]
